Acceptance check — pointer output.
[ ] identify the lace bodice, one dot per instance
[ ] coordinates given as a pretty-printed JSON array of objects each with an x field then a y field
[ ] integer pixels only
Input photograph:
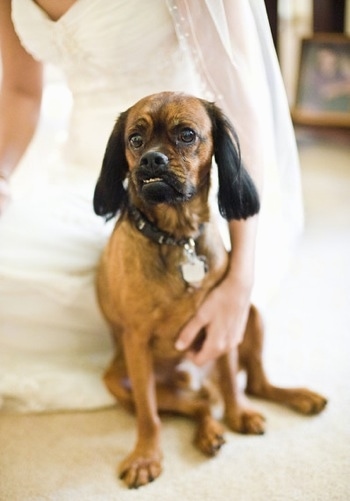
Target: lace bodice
[{"x": 100, "y": 46}]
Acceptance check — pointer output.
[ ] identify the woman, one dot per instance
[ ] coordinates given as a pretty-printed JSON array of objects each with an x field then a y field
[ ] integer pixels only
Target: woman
[{"x": 54, "y": 343}]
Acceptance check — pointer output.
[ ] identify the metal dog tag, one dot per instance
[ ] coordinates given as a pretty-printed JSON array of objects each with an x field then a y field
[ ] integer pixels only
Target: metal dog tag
[
  {"x": 193, "y": 272},
  {"x": 194, "y": 268}
]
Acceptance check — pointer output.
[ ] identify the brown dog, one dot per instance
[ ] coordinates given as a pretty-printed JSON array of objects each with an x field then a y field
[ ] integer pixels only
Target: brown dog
[{"x": 163, "y": 258}]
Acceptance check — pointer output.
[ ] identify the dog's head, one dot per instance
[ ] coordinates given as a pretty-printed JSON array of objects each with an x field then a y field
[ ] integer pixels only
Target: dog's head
[{"x": 164, "y": 146}]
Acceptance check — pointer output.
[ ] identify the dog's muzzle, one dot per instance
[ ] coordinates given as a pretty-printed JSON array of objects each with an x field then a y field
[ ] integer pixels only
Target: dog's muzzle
[{"x": 157, "y": 183}]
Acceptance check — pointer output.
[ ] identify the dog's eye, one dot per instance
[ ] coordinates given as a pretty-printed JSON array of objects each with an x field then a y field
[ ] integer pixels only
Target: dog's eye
[
  {"x": 187, "y": 136},
  {"x": 135, "y": 141}
]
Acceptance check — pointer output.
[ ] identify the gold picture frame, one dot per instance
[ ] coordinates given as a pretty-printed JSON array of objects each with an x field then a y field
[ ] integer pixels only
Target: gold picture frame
[{"x": 323, "y": 86}]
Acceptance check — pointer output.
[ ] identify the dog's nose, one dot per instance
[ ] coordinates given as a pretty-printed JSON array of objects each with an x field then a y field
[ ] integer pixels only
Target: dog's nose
[{"x": 154, "y": 159}]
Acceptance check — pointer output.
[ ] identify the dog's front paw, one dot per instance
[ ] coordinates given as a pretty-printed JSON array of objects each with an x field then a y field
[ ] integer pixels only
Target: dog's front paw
[
  {"x": 140, "y": 469},
  {"x": 209, "y": 437},
  {"x": 246, "y": 421},
  {"x": 306, "y": 402}
]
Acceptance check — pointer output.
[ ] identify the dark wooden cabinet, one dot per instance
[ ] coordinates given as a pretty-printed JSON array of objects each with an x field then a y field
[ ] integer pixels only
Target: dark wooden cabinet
[{"x": 328, "y": 16}]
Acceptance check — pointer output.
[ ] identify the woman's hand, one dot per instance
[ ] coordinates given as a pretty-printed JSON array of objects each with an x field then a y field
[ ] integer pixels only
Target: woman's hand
[
  {"x": 223, "y": 316},
  {"x": 5, "y": 194}
]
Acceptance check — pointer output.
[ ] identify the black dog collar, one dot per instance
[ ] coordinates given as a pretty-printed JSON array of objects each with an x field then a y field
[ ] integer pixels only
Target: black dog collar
[
  {"x": 155, "y": 234},
  {"x": 193, "y": 268}
]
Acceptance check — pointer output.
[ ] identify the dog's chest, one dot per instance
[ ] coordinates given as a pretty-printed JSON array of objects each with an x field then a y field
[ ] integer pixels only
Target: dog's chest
[
  {"x": 144, "y": 288},
  {"x": 166, "y": 320}
]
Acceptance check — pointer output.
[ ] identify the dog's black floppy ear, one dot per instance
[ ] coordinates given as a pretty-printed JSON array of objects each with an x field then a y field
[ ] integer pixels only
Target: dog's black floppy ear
[
  {"x": 110, "y": 195},
  {"x": 238, "y": 197}
]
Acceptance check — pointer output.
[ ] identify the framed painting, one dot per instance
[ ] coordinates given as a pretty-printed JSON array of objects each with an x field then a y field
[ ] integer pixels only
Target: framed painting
[{"x": 323, "y": 86}]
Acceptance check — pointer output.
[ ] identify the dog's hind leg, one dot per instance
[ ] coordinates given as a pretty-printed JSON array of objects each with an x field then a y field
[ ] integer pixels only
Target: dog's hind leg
[
  {"x": 250, "y": 353},
  {"x": 117, "y": 382}
]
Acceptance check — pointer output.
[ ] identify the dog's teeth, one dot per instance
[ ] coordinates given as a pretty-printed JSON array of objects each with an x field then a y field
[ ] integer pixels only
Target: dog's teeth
[{"x": 151, "y": 180}]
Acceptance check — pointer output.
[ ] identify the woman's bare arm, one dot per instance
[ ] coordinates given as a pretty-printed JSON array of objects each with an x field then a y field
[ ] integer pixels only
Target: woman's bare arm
[{"x": 20, "y": 99}]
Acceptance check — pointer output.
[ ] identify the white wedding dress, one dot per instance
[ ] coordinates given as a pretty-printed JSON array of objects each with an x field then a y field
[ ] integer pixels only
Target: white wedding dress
[{"x": 54, "y": 343}]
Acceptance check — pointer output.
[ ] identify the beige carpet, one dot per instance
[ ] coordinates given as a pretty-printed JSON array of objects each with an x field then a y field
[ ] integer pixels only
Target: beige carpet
[{"x": 68, "y": 457}]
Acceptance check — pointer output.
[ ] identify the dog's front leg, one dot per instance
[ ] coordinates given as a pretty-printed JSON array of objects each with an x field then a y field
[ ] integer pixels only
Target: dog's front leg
[
  {"x": 144, "y": 464},
  {"x": 239, "y": 416}
]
